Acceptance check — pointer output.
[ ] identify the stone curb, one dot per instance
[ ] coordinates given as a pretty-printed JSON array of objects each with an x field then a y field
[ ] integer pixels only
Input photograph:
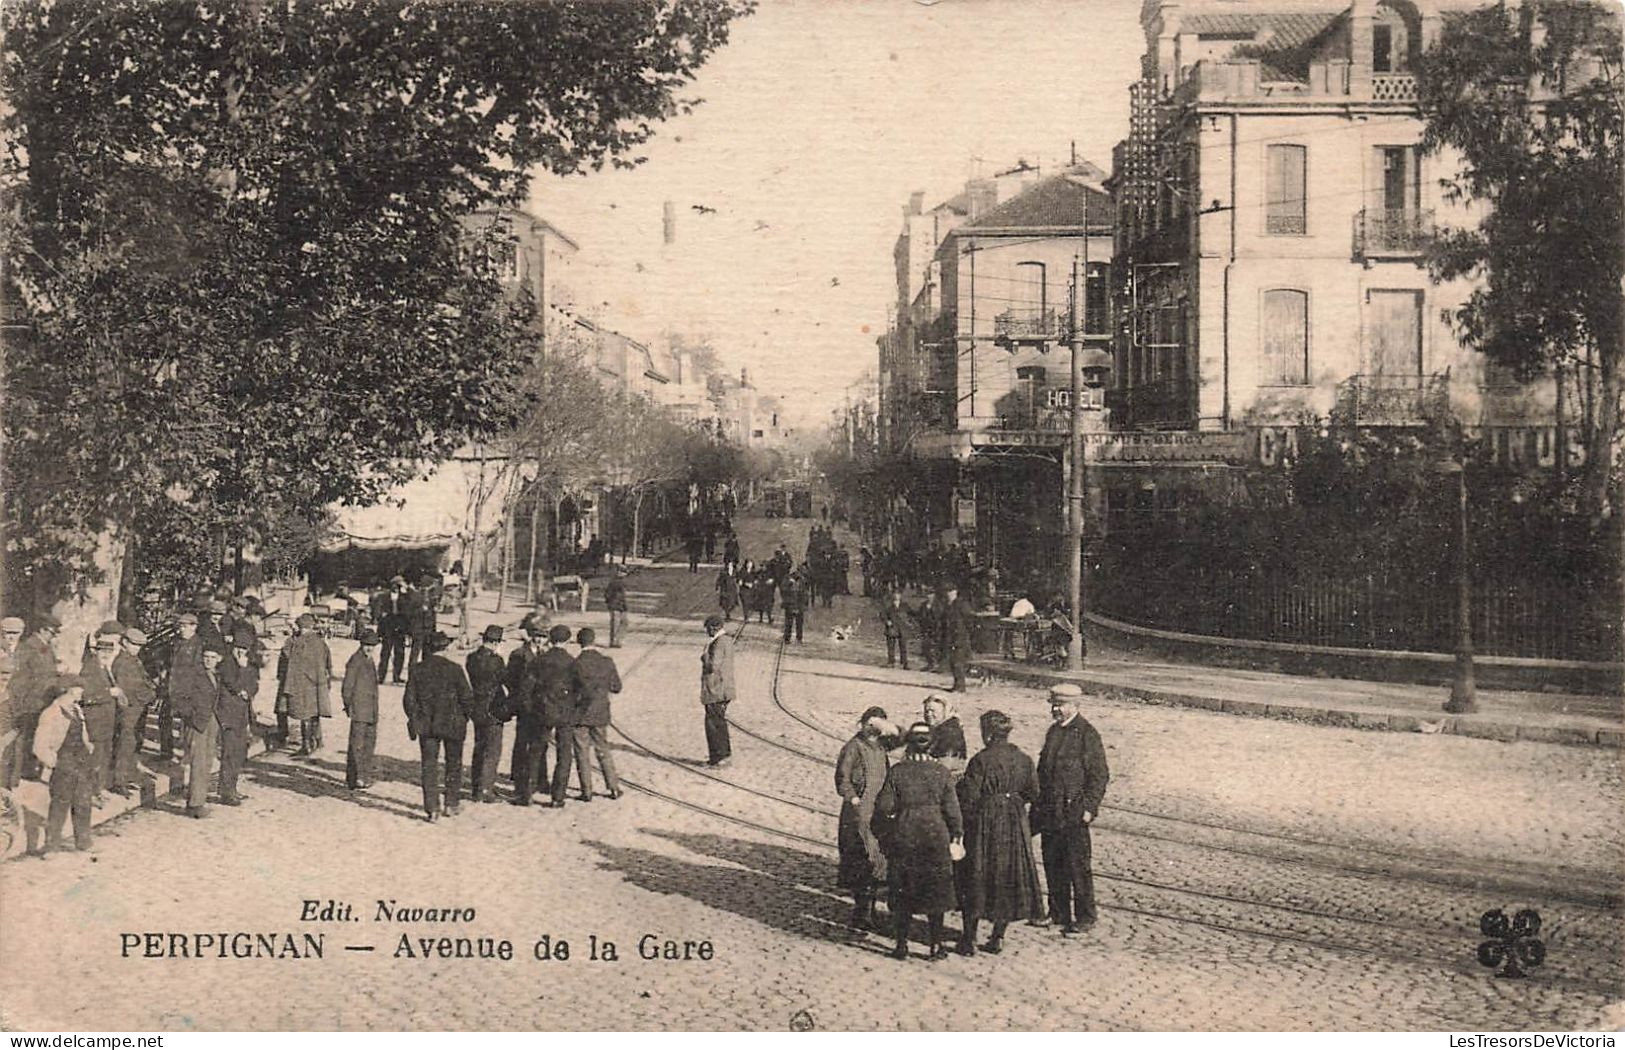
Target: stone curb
[
  {"x": 1355, "y": 718},
  {"x": 154, "y": 787}
]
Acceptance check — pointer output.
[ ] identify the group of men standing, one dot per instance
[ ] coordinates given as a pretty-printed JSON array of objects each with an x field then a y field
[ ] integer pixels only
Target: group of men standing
[
  {"x": 943, "y": 623},
  {"x": 938, "y": 833},
  {"x": 557, "y": 700}
]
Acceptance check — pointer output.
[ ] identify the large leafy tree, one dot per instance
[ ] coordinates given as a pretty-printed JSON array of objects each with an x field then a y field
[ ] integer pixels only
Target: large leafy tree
[
  {"x": 1531, "y": 99},
  {"x": 235, "y": 229}
]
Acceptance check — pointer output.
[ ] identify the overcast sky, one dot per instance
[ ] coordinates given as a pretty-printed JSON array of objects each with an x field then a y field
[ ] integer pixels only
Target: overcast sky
[{"x": 819, "y": 118}]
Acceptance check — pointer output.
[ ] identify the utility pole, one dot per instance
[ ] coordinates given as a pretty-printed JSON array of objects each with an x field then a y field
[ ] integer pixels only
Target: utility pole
[
  {"x": 1074, "y": 494},
  {"x": 1463, "y": 693}
]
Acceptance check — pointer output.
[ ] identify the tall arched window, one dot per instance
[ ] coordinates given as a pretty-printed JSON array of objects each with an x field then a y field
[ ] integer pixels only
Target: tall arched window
[
  {"x": 1284, "y": 328},
  {"x": 1031, "y": 290}
]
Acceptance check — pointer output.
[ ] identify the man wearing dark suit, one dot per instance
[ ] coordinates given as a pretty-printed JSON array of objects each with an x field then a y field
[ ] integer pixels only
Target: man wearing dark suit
[
  {"x": 195, "y": 693},
  {"x": 895, "y": 619},
  {"x": 139, "y": 693},
  {"x": 793, "y": 603},
  {"x": 486, "y": 676},
  {"x": 438, "y": 701},
  {"x": 423, "y": 620},
  {"x": 100, "y": 705},
  {"x": 239, "y": 683},
  {"x": 957, "y": 622},
  {"x": 529, "y": 749},
  {"x": 595, "y": 679},
  {"x": 717, "y": 689},
  {"x": 1072, "y": 778},
  {"x": 615, "y": 602},
  {"x": 185, "y": 661},
  {"x": 555, "y": 689},
  {"x": 360, "y": 695},
  {"x": 393, "y": 613}
]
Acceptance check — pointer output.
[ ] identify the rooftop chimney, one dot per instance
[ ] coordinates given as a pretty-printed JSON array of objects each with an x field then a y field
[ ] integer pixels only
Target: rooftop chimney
[{"x": 916, "y": 202}]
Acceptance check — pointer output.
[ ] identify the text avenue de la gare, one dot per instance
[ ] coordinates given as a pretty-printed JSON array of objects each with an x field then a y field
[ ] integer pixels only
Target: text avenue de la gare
[{"x": 245, "y": 944}]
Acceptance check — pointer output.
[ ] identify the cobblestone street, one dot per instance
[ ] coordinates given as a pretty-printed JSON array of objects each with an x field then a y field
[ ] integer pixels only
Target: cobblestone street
[{"x": 1252, "y": 874}]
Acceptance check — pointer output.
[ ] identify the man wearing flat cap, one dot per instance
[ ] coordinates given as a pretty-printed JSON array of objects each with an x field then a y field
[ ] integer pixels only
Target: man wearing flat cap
[
  {"x": 859, "y": 772},
  {"x": 101, "y": 703},
  {"x": 198, "y": 706},
  {"x": 717, "y": 689},
  {"x": 359, "y": 693},
  {"x": 487, "y": 676},
  {"x": 306, "y": 687},
  {"x": 438, "y": 702},
  {"x": 615, "y": 602},
  {"x": 34, "y": 672},
  {"x": 556, "y": 695},
  {"x": 1072, "y": 777},
  {"x": 131, "y": 676}
]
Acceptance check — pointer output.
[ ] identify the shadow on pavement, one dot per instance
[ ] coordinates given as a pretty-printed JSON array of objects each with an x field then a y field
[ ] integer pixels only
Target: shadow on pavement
[
  {"x": 313, "y": 780},
  {"x": 772, "y": 888}
]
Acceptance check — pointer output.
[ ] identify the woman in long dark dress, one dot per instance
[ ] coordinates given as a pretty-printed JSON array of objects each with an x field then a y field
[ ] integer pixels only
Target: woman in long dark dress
[
  {"x": 916, "y": 820},
  {"x": 998, "y": 878}
]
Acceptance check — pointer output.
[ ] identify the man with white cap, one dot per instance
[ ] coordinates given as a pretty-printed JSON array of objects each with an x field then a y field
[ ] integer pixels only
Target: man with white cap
[
  {"x": 131, "y": 676},
  {"x": 1072, "y": 777}
]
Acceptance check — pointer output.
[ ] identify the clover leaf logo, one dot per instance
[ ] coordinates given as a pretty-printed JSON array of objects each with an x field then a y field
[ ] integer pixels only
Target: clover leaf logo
[{"x": 1513, "y": 944}]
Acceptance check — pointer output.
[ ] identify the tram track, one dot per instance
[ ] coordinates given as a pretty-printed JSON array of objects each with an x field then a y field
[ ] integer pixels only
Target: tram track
[
  {"x": 1424, "y": 868},
  {"x": 1244, "y": 909}
]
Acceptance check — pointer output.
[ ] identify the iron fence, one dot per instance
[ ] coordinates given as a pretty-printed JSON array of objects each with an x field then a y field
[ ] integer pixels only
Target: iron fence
[{"x": 1525, "y": 618}]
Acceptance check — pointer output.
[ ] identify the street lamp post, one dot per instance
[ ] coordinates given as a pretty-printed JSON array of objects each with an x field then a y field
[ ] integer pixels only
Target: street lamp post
[
  {"x": 1074, "y": 493},
  {"x": 1463, "y": 694}
]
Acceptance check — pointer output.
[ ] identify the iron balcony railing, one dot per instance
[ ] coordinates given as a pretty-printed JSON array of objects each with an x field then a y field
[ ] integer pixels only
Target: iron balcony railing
[
  {"x": 1389, "y": 232},
  {"x": 1028, "y": 326},
  {"x": 1382, "y": 400}
]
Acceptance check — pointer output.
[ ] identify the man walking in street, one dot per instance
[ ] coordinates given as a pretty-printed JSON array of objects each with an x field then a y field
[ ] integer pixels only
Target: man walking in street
[
  {"x": 596, "y": 677},
  {"x": 717, "y": 689},
  {"x": 394, "y": 616},
  {"x": 359, "y": 694},
  {"x": 957, "y": 624},
  {"x": 1072, "y": 777},
  {"x": 240, "y": 681},
  {"x": 555, "y": 686},
  {"x": 438, "y": 701},
  {"x": 529, "y": 750},
  {"x": 615, "y": 602},
  {"x": 793, "y": 603},
  {"x": 139, "y": 694},
  {"x": 486, "y": 676},
  {"x": 894, "y": 618}
]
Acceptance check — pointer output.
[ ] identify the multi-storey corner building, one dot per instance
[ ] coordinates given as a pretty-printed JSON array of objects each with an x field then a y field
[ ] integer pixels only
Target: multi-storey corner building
[
  {"x": 975, "y": 374},
  {"x": 1273, "y": 208}
]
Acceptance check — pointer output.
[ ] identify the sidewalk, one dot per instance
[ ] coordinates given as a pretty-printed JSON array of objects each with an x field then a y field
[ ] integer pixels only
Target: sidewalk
[{"x": 1559, "y": 718}]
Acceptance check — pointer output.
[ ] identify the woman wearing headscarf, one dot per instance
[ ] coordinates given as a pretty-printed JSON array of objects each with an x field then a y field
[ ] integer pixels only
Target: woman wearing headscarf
[
  {"x": 917, "y": 823},
  {"x": 998, "y": 878},
  {"x": 859, "y": 773},
  {"x": 947, "y": 735}
]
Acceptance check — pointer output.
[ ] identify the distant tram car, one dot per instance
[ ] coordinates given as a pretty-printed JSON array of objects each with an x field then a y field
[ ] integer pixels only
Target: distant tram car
[
  {"x": 800, "y": 502},
  {"x": 775, "y": 501}
]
